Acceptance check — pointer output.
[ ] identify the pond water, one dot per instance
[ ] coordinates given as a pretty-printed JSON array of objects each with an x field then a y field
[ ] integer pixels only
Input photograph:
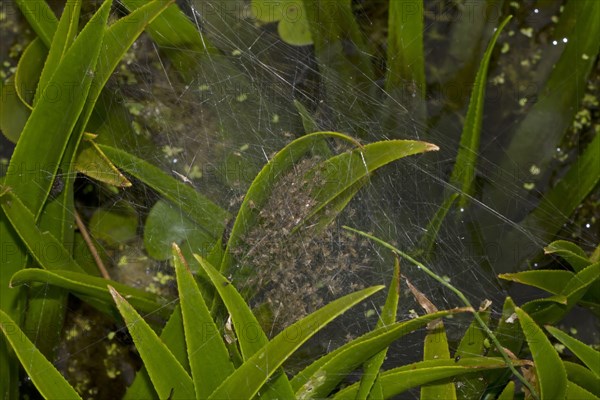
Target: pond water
[{"x": 214, "y": 119}]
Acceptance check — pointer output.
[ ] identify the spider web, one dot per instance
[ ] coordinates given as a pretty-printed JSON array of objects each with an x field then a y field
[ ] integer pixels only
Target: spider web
[{"x": 216, "y": 130}]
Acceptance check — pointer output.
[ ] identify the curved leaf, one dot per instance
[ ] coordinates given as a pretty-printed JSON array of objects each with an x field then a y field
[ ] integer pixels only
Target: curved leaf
[
  {"x": 207, "y": 354},
  {"x": 398, "y": 380},
  {"x": 323, "y": 375},
  {"x": 583, "y": 377},
  {"x": 552, "y": 281},
  {"x": 572, "y": 253},
  {"x": 551, "y": 375},
  {"x": 589, "y": 356},
  {"x": 50, "y": 383},
  {"x": 170, "y": 379},
  {"x": 92, "y": 286}
]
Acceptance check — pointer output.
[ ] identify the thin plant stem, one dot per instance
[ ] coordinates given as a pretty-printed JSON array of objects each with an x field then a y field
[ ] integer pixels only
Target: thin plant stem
[
  {"x": 465, "y": 301},
  {"x": 90, "y": 245}
]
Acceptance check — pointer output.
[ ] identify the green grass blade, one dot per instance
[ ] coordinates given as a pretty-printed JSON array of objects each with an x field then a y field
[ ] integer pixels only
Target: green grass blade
[
  {"x": 41, "y": 18},
  {"x": 589, "y": 356},
  {"x": 463, "y": 174},
  {"x": 169, "y": 378},
  {"x": 50, "y": 383},
  {"x": 323, "y": 375},
  {"x": 250, "y": 336},
  {"x": 572, "y": 253},
  {"x": 61, "y": 41},
  {"x": 207, "y": 354},
  {"x": 388, "y": 317},
  {"x": 551, "y": 375},
  {"x": 247, "y": 380},
  {"x": 398, "y": 380},
  {"x": 94, "y": 287},
  {"x": 200, "y": 209},
  {"x": 36, "y": 241},
  {"x": 32, "y": 169}
]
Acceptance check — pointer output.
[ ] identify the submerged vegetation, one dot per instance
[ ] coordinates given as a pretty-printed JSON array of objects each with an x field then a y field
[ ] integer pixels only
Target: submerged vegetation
[{"x": 211, "y": 209}]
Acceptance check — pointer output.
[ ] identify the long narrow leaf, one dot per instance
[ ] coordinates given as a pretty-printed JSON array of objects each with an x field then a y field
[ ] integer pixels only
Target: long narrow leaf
[
  {"x": 247, "y": 380},
  {"x": 551, "y": 375},
  {"x": 50, "y": 383},
  {"x": 400, "y": 379},
  {"x": 250, "y": 336},
  {"x": 589, "y": 356},
  {"x": 32, "y": 170},
  {"x": 463, "y": 173},
  {"x": 388, "y": 317},
  {"x": 204, "y": 212},
  {"x": 207, "y": 354},
  {"x": 323, "y": 375},
  {"x": 170, "y": 379},
  {"x": 94, "y": 287}
]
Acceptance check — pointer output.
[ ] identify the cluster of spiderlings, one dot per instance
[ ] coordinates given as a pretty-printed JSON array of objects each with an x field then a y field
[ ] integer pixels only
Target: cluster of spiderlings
[{"x": 294, "y": 272}]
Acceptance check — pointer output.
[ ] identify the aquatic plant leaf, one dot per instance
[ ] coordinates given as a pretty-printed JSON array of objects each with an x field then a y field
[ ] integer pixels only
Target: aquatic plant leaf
[
  {"x": 46, "y": 378},
  {"x": 576, "y": 392},
  {"x": 388, "y": 317},
  {"x": 436, "y": 347},
  {"x": 61, "y": 41},
  {"x": 398, "y": 380},
  {"x": 93, "y": 287},
  {"x": 29, "y": 70},
  {"x": 572, "y": 253},
  {"x": 207, "y": 354},
  {"x": 322, "y": 376},
  {"x": 405, "y": 56},
  {"x": 178, "y": 38},
  {"x": 92, "y": 162},
  {"x": 37, "y": 242},
  {"x": 561, "y": 201},
  {"x": 552, "y": 309},
  {"x": 291, "y": 18},
  {"x": 247, "y": 380},
  {"x": 14, "y": 113},
  {"x": 173, "y": 337},
  {"x": 115, "y": 224},
  {"x": 582, "y": 376},
  {"x": 260, "y": 189},
  {"x": 589, "y": 356},
  {"x": 341, "y": 172},
  {"x": 463, "y": 174},
  {"x": 427, "y": 241},
  {"x": 249, "y": 334},
  {"x": 206, "y": 214},
  {"x": 41, "y": 18},
  {"x": 165, "y": 225},
  {"x": 552, "y": 281},
  {"x": 169, "y": 377},
  {"x": 32, "y": 170},
  {"x": 537, "y": 136},
  {"x": 472, "y": 344},
  {"x": 508, "y": 393},
  {"x": 550, "y": 372}
]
